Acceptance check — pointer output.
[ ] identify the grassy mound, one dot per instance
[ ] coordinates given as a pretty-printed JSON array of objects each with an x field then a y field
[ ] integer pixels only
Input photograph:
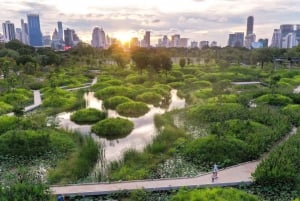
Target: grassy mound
[
  {"x": 87, "y": 116},
  {"x": 132, "y": 109},
  {"x": 113, "y": 102},
  {"x": 113, "y": 128}
]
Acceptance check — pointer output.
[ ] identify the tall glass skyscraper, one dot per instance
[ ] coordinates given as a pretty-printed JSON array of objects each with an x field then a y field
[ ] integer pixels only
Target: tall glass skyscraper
[
  {"x": 60, "y": 31},
  {"x": 34, "y": 29},
  {"x": 250, "y": 22}
]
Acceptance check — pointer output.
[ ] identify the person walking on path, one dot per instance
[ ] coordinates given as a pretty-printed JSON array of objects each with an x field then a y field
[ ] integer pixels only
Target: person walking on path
[{"x": 215, "y": 172}]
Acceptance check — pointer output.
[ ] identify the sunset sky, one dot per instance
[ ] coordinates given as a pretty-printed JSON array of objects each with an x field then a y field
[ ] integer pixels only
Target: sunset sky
[{"x": 193, "y": 19}]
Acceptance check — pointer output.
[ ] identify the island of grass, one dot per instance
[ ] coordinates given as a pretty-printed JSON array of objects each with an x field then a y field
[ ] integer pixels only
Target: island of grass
[
  {"x": 87, "y": 116},
  {"x": 132, "y": 109},
  {"x": 113, "y": 128},
  {"x": 114, "y": 101}
]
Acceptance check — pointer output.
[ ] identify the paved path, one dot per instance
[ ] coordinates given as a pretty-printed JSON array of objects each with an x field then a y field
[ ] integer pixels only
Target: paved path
[
  {"x": 37, "y": 101},
  {"x": 246, "y": 83},
  {"x": 226, "y": 177}
]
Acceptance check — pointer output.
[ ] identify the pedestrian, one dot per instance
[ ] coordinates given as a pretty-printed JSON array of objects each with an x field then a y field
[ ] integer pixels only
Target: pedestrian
[
  {"x": 216, "y": 169},
  {"x": 60, "y": 198}
]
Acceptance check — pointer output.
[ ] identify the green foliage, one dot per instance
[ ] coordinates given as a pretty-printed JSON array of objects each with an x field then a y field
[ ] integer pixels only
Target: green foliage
[
  {"x": 177, "y": 85},
  {"x": 132, "y": 109},
  {"x": 113, "y": 102},
  {"x": 149, "y": 98},
  {"x": 216, "y": 112},
  {"x": 87, "y": 116},
  {"x": 17, "y": 97},
  {"x": 32, "y": 144},
  {"x": 293, "y": 111},
  {"x": 274, "y": 99},
  {"x": 136, "y": 79},
  {"x": 76, "y": 166},
  {"x": 113, "y": 128},
  {"x": 58, "y": 98},
  {"x": 213, "y": 194},
  {"x": 25, "y": 191},
  {"x": 5, "y": 108},
  {"x": 7, "y": 123},
  {"x": 225, "y": 151},
  {"x": 111, "y": 91}
]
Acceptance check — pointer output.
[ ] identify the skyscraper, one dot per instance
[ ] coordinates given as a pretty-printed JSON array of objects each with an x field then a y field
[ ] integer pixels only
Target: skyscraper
[
  {"x": 60, "y": 31},
  {"x": 147, "y": 39},
  {"x": 19, "y": 34},
  {"x": 34, "y": 29},
  {"x": 25, "y": 34},
  {"x": 8, "y": 31},
  {"x": 250, "y": 22},
  {"x": 276, "y": 38},
  {"x": 236, "y": 39},
  {"x": 98, "y": 38}
]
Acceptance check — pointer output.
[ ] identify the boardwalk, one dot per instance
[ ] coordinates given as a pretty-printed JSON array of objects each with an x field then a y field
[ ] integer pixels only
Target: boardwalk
[{"x": 228, "y": 177}]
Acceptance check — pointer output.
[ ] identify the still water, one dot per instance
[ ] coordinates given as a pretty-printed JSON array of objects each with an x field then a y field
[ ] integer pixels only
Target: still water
[{"x": 142, "y": 134}]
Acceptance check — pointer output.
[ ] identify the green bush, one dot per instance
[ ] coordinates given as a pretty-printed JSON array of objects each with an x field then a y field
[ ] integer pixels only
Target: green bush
[
  {"x": 225, "y": 151},
  {"x": 111, "y": 91},
  {"x": 213, "y": 194},
  {"x": 25, "y": 191},
  {"x": 136, "y": 79},
  {"x": 149, "y": 98},
  {"x": 8, "y": 123},
  {"x": 293, "y": 111},
  {"x": 274, "y": 99},
  {"x": 113, "y": 102},
  {"x": 87, "y": 116},
  {"x": 217, "y": 112},
  {"x": 132, "y": 109},
  {"x": 24, "y": 143},
  {"x": 177, "y": 85},
  {"x": 5, "y": 108},
  {"x": 76, "y": 166},
  {"x": 58, "y": 98},
  {"x": 113, "y": 128},
  {"x": 21, "y": 97}
]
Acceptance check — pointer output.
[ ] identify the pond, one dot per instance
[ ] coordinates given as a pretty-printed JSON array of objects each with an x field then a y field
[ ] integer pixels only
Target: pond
[{"x": 142, "y": 134}]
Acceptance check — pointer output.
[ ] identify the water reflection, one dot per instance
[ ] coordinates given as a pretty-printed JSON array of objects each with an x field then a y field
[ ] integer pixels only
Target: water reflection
[{"x": 142, "y": 134}]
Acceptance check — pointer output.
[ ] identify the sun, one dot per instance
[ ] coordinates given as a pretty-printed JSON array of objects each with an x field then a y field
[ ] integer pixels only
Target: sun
[{"x": 123, "y": 36}]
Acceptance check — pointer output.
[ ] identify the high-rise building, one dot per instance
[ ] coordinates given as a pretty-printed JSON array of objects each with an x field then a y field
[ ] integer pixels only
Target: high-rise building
[
  {"x": 204, "y": 44},
  {"x": 47, "y": 41},
  {"x": 289, "y": 40},
  {"x": 98, "y": 38},
  {"x": 19, "y": 34},
  {"x": 25, "y": 34},
  {"x": 146, "y": 41},
  {"x": 213, "y": 44},
  {"x": 34, "y": 29},
  {"x": 175, "y": 40},
  {"x": 134, "y": 42},
  {"x": 8, "y": 31},
  {"x": 55, "y": 44},
  {"x": 249, "y": 39},
  {"x": 286, "y": 29},
  {"x": 2, "y": 40},
  {"x": 183, "y": 42},
  {"x": 264, "y": 42},
  {"x": 236, "y": 39},
  {"x": 250, "y": 23},
  {"x": 71, "y": 38},
  {"x": 276, "y": 39},
  {"x": 60, "y": 31},
  {"x": 194, "y": 44}
]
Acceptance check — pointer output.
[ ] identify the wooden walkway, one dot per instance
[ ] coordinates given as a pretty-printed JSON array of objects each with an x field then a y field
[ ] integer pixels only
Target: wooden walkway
[{"x": 239, "y": 174}]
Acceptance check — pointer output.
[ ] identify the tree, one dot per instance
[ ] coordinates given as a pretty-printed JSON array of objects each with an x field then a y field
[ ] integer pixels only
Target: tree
[
  {"x": 141, "y": 58},
  {"x": 5, "y": 64},
  {"x": 182, "y": 62}
]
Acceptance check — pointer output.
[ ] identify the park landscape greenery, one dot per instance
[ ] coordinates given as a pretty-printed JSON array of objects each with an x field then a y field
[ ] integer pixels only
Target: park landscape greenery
[{"x": 222, "y": 123}]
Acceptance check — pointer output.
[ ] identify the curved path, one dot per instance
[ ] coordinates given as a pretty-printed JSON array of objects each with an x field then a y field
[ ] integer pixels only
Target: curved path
[
  {"x": 231, "y": 176},
  {"x": 227, "y": 177}
]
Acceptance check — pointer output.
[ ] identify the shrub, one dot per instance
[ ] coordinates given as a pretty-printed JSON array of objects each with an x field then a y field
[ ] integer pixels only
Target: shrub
[
  {"x": 57, "y": 97},
  {"x": 7, "y": 123},
  {"x": 87, "y": 116},
  {"x": 113, "y": 128},
  {"x": 224, "y": 194},
  {"x": 5, "y": 108},
  {"x": 293, "y": 111},
  {"x": 177, "y": 85},
  {"x": 132, "y": 109},
  {"x": 77, "y": 165},
  {"x": 114, "y": 91},
  {"x": 24, "y": 143},
  {"x": 150, "y": 98},
  {"x": 113, "y": 102},
  {"x": 17, "y": 97},
  {"x": 226, "y": 151},
  {"x": 136, "y": 79},
  {"x": 217, "y": 112},
  {"x": 275, "y": 99}
]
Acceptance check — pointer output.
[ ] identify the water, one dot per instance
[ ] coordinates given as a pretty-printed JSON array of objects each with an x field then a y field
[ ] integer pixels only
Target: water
[{"x": 142, "y": 134}]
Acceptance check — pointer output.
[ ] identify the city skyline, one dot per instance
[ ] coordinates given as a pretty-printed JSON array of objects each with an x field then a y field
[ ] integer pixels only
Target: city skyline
[{"x": 194, "y": 19}]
